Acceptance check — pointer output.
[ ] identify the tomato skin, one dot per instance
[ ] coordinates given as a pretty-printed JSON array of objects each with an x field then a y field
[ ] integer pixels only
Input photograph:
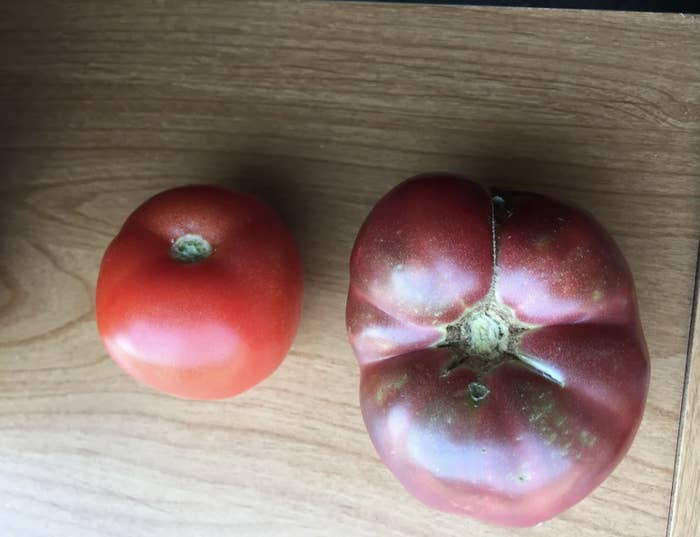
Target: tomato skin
[
  {"x": 208, "y": 329},
  {"x": 512, "y": 434}
]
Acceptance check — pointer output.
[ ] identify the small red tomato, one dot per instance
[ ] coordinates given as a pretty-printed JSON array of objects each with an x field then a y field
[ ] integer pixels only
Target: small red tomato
[
  {"x": 199, "y": 295},
  {"x": 504, "y": 370}
]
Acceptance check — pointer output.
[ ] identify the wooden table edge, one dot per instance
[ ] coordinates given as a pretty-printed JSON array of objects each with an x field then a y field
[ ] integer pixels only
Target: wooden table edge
[{"x": 685, "y": 495}]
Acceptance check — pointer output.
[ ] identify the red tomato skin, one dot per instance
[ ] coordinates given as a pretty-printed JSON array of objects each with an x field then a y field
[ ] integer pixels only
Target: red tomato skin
[
  {"x": 209, "y": 329},
  {"x": 551, "y": 428},
  {"x": 410, "y": 271}
]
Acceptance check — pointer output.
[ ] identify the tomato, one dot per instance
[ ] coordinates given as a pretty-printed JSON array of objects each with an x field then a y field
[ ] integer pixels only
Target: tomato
[
  {"x": 504, "y": 370},
  {"x": 199, "y": 295}
]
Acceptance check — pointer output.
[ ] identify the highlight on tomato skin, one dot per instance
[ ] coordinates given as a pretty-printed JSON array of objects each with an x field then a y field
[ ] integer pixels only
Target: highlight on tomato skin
[
  {"x": 199, "y": 295},
  {"x": 503, "y": 367}
]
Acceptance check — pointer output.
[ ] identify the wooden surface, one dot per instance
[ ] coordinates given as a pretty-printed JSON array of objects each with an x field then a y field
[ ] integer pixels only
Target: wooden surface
[
  {"x": 684, "y": 518},
  {"x": 318, "y": 107}
]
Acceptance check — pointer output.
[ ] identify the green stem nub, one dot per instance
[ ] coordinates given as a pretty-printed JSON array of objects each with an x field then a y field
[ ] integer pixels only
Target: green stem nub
[{"x": 190, "y": 248}]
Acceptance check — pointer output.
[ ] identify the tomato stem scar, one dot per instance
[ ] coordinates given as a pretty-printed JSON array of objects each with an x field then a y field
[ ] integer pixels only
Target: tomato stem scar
[
  {"x": 489, "y": 334},
  {"x": 190, "y": 248}
]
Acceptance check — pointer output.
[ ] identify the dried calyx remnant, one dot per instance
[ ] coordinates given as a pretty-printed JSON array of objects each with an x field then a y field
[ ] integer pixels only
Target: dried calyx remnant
[
  {"x": 482, "y": 340},
  {"x": 489, "y": 334},
  {"x": 190, "y": 248}
]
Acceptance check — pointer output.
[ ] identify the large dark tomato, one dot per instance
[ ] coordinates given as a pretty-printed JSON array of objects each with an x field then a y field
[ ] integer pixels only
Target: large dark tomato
[
  {"x": 199, "y": 295},
  {"x": 504, "y": 370}
]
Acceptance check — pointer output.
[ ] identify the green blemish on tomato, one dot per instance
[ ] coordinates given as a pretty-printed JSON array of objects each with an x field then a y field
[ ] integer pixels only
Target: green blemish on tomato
[
  {"x": 565, "y": 449},
  {"x": 553, "y": 426},
  {"x": 524, "y": 477},
  {"x": 550, "y": 436},
  {"x": 586, "y": 438},
  {"x": 541, "y": 410},
  {"x": 387, "y": 387},
  {"x": 544, "y": 415}
]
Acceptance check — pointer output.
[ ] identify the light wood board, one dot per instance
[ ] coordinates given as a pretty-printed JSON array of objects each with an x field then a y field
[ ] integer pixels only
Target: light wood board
[
  {"x": 319, "y": 108},
  {"x": 684, "y": 516}
]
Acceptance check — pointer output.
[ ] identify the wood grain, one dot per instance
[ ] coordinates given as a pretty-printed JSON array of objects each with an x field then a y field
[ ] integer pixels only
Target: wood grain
[
  {"x": 684, "y": 518},
  {"x": 318, "y": 107}
]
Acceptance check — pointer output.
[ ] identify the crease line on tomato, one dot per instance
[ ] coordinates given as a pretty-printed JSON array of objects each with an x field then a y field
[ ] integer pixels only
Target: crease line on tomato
[{"x": 365, "y": 296}]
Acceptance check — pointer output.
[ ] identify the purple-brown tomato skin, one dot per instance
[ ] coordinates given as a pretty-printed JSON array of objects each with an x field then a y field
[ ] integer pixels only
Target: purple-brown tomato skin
[{"x": 504, "y": 369}]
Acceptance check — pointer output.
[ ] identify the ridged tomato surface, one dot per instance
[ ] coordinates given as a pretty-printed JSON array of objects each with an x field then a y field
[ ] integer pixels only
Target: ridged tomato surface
[{"x": 504, "y": 370}]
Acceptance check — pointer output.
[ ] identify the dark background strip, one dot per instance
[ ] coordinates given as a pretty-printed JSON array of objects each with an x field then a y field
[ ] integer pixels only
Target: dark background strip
[{"x": 680, "y": 6}]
